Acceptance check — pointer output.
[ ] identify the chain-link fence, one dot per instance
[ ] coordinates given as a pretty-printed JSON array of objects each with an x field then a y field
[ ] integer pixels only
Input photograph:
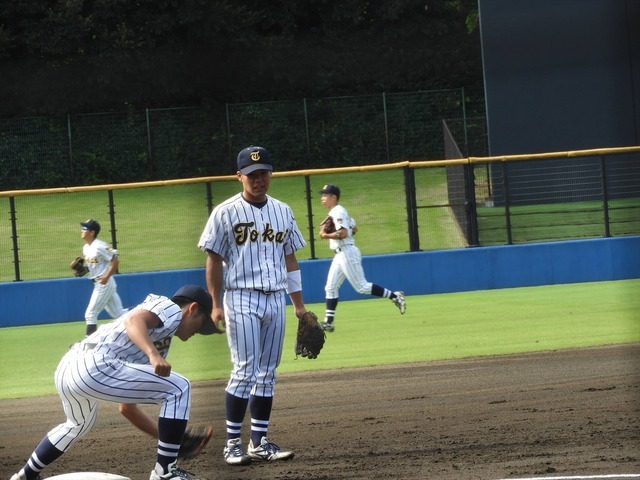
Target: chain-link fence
[
  {"x": 170, "y": 143},
  {"x": 407, "y": 206}
]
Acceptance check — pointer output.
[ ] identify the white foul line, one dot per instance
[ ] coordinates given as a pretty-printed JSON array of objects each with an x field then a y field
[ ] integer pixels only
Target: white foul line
[{"x": 579, "y": 477}]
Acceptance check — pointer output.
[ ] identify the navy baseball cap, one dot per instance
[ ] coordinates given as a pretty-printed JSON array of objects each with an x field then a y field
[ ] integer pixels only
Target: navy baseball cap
[
  {"x": 202, "y": 297},
  {"x": 254, "y": 158},
  {"x": 330, "y": 188},
  {"x": 91, "y": 224}
]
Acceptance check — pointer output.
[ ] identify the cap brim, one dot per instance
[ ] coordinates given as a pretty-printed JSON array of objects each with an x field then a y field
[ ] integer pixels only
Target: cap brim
[
  {"x": 257, "y": 166},
  {"x": 209, "y": 328}
]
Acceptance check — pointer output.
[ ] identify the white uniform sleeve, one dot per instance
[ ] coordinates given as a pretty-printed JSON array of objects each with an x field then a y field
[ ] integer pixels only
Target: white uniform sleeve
[
  {"x": 295, "y": 241},
  {"x": 213, "y": 237}
]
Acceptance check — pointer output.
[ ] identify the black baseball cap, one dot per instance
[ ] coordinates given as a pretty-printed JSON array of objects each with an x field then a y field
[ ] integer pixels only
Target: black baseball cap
[
  {"x": 254, "y": 158},
  {"x": 202, "y": 297},
  {"x": 91, "y": 224},
  {"x": 330, "y": 188}
]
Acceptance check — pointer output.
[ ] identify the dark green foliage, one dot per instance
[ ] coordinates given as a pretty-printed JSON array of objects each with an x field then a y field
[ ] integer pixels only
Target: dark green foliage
[{"x": 73, "y": 56}]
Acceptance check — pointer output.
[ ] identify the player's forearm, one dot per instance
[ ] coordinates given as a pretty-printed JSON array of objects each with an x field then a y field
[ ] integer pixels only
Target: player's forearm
[
  {"x": 298, "y": 303},
  {"x": 139, "y": 418},
  {"x": 113, "y": 268},
  {"x": 295, "y": 284},
  {"x": 337, "y": 235},
  {"x": 214, "y": 278}
]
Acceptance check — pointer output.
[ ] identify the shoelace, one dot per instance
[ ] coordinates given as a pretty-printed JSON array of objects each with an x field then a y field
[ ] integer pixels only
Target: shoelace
[
  {"x": 236, "y": 450},
  {"x": 272, "y": 448},
  {"x": 182, "y": 473}
]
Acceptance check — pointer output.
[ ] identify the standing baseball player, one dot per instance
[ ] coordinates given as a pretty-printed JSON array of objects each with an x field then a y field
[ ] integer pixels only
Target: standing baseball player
[
  {"x": 102, "y": 262},
  {"x": 254, "y": 237},
  {"x": 124, "y": 361},
  {"x": 347, "y": 262}
]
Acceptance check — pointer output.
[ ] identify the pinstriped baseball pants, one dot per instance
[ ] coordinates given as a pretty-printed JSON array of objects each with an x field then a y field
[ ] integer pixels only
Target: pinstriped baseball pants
[
  {"x": 104, "y": 297},
  {"x": 255, "y": 333},
  {"x": 84, "y": 377},
  {"x": 347, "y": 264}
]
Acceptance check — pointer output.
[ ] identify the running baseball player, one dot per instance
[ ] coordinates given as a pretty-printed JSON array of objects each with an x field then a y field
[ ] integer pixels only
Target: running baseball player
[
  {"x": 102, "y": 262},
  {"x": 255, "y": 237},
  {"x": 124, "y": 361},
  {"x": 347, "y": 262}
]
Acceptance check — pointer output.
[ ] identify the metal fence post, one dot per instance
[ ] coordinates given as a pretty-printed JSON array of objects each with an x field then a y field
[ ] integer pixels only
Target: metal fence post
[
  {"x": 71, "y": 169},
  {"x": 209, "y": 197},
  {"x": 507, "y": 211},
  {"x": 386, "y": 125},
  {"x": 112, "y": 220},
  {"x": 470, "y": 205},
  {"x": 412, "y": 213},
  {"x": 226, "y": 110},
  {"x": 151, "y": 163},
  {"x": 605, "y": 196},
  {"x": 312, "y": 243},
  {"x": 464, "y": 123},
  {"x": 14, "y": 238},
  {"x": 306, "y": 125}
]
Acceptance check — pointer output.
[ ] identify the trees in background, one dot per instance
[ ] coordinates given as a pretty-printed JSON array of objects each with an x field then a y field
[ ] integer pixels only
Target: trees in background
[{"x": 59, "y": 56}]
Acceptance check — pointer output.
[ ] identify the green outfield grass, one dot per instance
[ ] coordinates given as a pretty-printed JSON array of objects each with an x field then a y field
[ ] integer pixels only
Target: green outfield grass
[
  {"x": 576, "y": 220},
  {"x": 158, "y": 227},
  {"x": 371, "y": 332}
]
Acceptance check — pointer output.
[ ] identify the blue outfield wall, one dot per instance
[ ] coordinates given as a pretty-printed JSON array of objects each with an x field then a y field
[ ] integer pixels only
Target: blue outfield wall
[{"x": 416, "y": 273}]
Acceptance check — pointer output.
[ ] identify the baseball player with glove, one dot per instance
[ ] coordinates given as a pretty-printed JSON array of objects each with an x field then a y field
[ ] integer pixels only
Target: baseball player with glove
[
  {"x": 100, "y": 262},
  {"x": 125, "y": 361},
  {"x": 339, "y": 229},
  {"x": 254, "y": 237}
]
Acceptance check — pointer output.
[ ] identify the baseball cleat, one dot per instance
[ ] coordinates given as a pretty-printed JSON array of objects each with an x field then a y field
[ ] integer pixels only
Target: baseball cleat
[
  {"x": 234, "y": 454},
  {"x": 175, "y": 473},
  {"x": 268, "y": 451},
  {"x": 327, "y": 327},
  {"x": 400, "y": 302},
  {"x": 16, "y": 476}
]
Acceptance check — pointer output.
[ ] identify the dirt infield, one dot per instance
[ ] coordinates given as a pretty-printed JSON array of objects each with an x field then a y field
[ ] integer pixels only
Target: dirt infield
[{"x": 563, "y": 413}]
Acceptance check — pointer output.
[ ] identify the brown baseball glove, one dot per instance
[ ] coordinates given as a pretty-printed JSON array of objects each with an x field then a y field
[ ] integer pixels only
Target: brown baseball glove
[
  {"x": 78, "y": 267},
  {"x": 194, "y": 441},
  {"x": 310, "y": 336},
  {"x": 327, "y": 226}
]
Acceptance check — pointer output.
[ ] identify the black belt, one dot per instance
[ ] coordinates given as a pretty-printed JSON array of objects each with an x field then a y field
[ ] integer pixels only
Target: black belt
[
  {"x": 339, "y": 249},
  {"x": 267, "y": 292}
]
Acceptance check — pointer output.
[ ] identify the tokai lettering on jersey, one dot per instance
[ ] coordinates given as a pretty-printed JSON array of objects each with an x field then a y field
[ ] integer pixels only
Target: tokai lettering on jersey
[{"x": 244, "y": 232}]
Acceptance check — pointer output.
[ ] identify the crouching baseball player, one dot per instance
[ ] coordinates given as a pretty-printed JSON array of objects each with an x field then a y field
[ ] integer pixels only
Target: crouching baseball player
[{"x": 124, "y": 361}]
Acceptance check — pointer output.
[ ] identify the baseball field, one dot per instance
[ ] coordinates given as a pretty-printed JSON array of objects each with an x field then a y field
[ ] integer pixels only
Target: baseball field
[{"x": 519, "y": 383}]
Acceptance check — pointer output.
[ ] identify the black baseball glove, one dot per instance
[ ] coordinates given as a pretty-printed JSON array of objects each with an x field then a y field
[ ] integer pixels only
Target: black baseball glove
[
  {"x": 78, "y": 267},
  {"x": 194, "y": 441},
  {"x": 310, "y": 336},
  {"x": 327, "y": 226}
]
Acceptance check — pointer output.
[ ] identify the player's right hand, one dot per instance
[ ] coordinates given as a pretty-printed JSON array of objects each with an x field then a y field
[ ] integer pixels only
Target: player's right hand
[
  {"x": 217, "y": 316},
  {"x": 161, "y": 367}
]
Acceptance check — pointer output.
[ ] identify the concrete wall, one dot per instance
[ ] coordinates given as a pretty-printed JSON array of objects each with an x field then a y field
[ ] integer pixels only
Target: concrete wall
[{"x": 52, "y": 301}]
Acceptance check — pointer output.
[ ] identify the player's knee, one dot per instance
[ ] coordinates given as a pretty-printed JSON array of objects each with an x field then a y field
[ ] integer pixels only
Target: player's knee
[{"x": 330, "y": 292}]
